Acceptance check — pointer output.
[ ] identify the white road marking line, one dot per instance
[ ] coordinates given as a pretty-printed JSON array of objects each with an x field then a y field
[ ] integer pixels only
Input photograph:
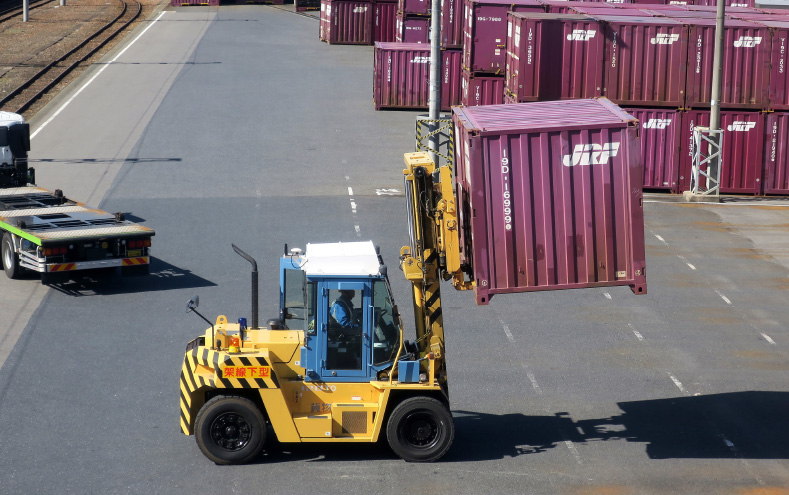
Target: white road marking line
[
  {"x": 507, "y": 331},
  {"x": 678, "y": 384},
  {"x": 636, "y": 333},
  {"x": 768, "y": 339},
  {"x": 350, "y": 191},
  {"x": 725, "y": 299},
  {"x": 661, "y": 239},
  {"x": 387, "y": 192},
  {"x": 573, "y": 450},
  {"x": 684, "y": 259},
  {"x": 607, "y": 295},
  {"x": 534, "y": 384},
  {"x": 358, "y": 230},
  {"x": 77, "y": 93}
]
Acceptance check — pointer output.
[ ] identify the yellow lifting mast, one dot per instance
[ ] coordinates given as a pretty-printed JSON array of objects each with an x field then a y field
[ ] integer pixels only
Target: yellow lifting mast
[{"x": 434, "y": 252}]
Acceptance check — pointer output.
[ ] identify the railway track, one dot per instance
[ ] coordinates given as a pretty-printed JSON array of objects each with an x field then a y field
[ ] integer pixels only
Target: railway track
[{"x": 38, "y": 79}]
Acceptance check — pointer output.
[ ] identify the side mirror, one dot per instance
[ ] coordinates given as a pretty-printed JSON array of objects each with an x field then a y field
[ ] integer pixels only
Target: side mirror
[{"x": 192, "y": 304}]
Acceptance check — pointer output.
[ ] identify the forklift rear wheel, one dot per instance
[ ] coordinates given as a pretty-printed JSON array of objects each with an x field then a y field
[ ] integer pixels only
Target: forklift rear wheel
[
  {"x": 10, "y": 258},
  {"x": 420, "y": 429},
  {"x": 230, "y": 430}
]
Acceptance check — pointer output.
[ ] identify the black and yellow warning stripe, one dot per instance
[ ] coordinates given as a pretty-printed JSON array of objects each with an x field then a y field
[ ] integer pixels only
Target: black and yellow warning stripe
[{"x": 204, "y": 368}]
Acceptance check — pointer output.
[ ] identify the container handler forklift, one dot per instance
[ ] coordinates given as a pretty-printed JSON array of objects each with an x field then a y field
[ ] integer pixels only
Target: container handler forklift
[{"x": 313, "y": 380}]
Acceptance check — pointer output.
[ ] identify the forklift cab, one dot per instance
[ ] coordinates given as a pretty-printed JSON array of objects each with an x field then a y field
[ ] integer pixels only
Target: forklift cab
[{"x": 311, "y": 296}]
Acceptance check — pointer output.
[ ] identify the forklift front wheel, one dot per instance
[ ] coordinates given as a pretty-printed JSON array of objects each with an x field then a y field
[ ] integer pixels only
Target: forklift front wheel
[
  {"x": 230, "y": 430},
  {"x": 10, "y": 258},
  {"x": 420, "y": 429}
]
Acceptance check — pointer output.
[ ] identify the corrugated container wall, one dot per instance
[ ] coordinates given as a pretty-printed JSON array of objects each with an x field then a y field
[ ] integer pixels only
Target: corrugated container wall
[
  {"x": 346, "y": 22},
  {"x": 554, "y": 56},
  {"x": 743, "y": 142},
  {"x": 401, "y": 76},
  {"x": 482, "y": 89},
  {"x": 485, "y": 32},
  {"x": 645, "y": 61},
  {"x": 384, "y": 21},
  {"x": 779, "y": 82},
  {"x": 412, "y": 29},
  {"x": 776, "y": 154},
  {"x": 452, "y": 23},
  {"x": 746, "y": 64},
  {"x": 660, "y": 143},
  {"x": 421, "y": 7},
  {"x": 550, "y": 196}
]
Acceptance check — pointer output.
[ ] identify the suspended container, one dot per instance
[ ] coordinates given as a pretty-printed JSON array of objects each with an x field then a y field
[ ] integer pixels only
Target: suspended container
[
  {"x": 660, "y": 144},
  {"x": 645, "y": 61},
  {"x": 384, "y": 21},
  {"x": 412, "y": 29},
  {"x": 550, "y": 196},
  {"x": 743, "y": 142},
  {"x": 554, "y": 56},
  {"x": 345, "y": 22},
  {"x": 485, "y": 32},
  {"x": 746, "y": 64},
  {"x": 776, "y": 154},
  {"x": 481, "y": 89}
]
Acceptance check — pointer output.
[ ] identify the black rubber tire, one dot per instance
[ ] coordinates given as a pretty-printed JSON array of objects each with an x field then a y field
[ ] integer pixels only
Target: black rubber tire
[
  {"x": 420, "y": 429},
  {"x": 230, "y": 430},
  {"x": 10, "y": 258}
]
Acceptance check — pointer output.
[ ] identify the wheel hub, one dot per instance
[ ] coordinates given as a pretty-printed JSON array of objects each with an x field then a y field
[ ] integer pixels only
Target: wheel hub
[{"x": 230, "y": 431}]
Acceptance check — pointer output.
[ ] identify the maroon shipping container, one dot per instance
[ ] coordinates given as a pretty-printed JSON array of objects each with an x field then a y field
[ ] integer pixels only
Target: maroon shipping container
[
  {"x": 776, "y": 154},
  {"x": 746, "y": 65},
  {"x": 608, "y": 10},
  {"x": 481, "y": 89},
  {"x": 743, "y": 141},
  {"x": 645, "y": 61},
  {"x": 384, "y": 21},
  {"x": 561, "y": 6},
  {"x": 550, "y": 196},
  {"x": 554, "y": 56},
  {"x": 412, "y": 29},
  {"x": 183, "y": 3},
  {"x": 346, "y": 22},
  {"x": 660, "y": 143},
  {"x": 304, "y": 5},
  {"x": 401, "y": 76},
  {"x": 421, "y": 7},
  {"x": 451, "y": 24},
  {"x": 659, "y": 11},
  {"x": 731, "y": 5},
  {"x": 485, "y": 32},
  {"x": 779, "y": 82}
]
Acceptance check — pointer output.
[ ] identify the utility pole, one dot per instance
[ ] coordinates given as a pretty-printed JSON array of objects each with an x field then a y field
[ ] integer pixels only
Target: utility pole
[{"x": 435, "y": 77}]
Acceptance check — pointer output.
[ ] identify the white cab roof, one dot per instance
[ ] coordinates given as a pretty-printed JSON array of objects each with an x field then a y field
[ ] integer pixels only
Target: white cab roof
[
  {"x": 341, "y": 259},
  {"x": 7, "y": 119}
]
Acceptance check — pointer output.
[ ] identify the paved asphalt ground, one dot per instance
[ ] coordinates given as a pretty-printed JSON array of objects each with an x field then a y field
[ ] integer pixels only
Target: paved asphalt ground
[{"x": 237, "y": 125}]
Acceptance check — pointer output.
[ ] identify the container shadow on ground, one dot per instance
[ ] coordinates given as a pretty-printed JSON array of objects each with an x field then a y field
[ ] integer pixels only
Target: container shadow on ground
[
  {"x": 163, "y": 276},
  {"x": 749, "y": 425}
]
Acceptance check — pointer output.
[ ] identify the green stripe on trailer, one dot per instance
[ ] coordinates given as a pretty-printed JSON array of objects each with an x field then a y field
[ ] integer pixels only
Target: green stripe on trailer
[{"x": 21, "y": 233}]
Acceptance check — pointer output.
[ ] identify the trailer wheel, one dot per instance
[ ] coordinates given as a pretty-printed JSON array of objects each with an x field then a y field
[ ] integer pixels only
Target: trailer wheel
[
  {"x": 10, "y": 258},
  {"x": 420, "y": 429},
  {"x": 230, "y": 430}
]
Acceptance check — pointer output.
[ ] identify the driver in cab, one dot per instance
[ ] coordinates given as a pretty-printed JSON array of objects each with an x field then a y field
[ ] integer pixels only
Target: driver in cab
[{"x": 342, "y": 310}]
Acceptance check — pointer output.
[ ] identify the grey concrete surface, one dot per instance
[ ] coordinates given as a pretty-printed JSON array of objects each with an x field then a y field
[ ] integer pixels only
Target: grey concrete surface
[{"x": 263, "y": 136}]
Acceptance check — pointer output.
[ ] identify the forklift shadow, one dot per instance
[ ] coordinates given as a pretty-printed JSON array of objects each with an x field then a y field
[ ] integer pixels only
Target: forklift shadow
[
  {"x": 163, "y": 276},
  {"x": 745, "y": 425}
]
